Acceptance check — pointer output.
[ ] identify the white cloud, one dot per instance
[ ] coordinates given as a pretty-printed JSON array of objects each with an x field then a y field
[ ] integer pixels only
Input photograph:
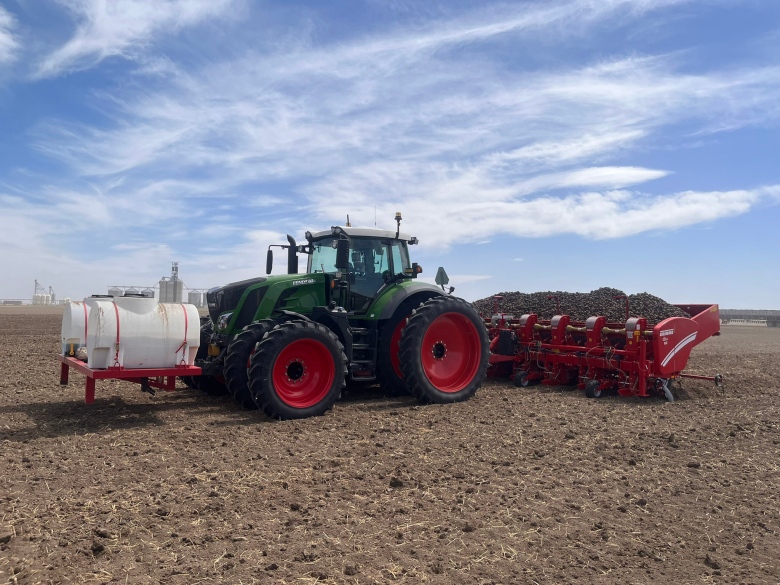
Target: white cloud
[
  {"x": 123, "y": 28},
  {"x": 9, "y": 43},
  {"x": 424, "y": 121}
]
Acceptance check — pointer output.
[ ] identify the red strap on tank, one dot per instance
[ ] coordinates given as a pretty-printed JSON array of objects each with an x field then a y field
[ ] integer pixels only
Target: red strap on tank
[
  {"x": 85, "y": 323},
  {"x": 183, "y": 346},
  {"x": 116, "y": 355}
]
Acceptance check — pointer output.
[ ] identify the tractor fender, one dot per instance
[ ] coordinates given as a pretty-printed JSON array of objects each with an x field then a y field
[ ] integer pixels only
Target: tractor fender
[
  {"x": 421, "y": 291},
  {"x": 293, "y": 315}
]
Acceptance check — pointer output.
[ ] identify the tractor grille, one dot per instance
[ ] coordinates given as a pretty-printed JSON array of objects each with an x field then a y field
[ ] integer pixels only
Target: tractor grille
[{"x": 226, "y": 298}]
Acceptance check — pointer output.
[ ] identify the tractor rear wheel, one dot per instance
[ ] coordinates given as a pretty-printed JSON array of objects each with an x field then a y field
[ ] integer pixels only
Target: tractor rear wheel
[
  {"x": 444, "y": 350},
  {"x": 297, "y": 370},
  {"x": 237, "y": 361}
]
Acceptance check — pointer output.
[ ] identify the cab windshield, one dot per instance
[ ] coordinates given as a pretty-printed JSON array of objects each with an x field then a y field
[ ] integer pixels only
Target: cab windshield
[{"x": 368, "y": 257}]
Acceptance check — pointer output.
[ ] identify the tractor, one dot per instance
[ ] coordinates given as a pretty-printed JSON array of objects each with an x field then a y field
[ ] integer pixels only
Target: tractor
[{"x": 287, "y": 344}]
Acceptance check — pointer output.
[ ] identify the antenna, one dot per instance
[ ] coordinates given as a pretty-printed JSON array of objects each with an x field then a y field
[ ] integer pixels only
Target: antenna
[{"x": 348, "y": 224}]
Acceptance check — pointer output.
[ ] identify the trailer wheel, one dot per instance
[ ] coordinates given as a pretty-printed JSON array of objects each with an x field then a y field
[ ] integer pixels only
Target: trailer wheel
[
  {"x": 237, "y": 361},
  {"x": 521, "y": 379},
  {"x": 444, "y": 350},
  {"x": 593, "y": 389},
  {"x": 389, "y": 374},
  {"x": 297, "y": 370}
]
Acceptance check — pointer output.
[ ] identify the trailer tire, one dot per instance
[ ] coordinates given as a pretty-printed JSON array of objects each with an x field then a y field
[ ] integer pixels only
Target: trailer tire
[
  {"x": 237, "y": 359},
  {"x": 298, "y": 370},
  {"x": 521, "y": 379},
  {"x": 388, "y": 367},
  {"x": 593, "y": 389},
  {"x": 444, "y": 351}
]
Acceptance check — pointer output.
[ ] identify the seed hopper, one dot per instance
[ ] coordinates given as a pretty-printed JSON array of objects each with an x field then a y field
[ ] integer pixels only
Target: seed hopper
[{"x": 633, "y": 358}]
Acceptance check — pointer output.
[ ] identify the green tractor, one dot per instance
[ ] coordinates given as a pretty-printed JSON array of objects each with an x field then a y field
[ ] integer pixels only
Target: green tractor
[{"x": 288, "y": 343}]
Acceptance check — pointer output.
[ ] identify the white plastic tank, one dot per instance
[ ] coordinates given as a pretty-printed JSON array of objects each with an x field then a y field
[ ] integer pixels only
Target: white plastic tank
[
  {"x": 136, "y": 332},
  {"x": 115, "y": 291},
  {"x": 195, "y": 297},
  {"x": 74, "y": 324}
]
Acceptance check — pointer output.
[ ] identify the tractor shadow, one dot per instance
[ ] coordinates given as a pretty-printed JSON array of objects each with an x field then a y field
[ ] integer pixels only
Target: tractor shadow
[
  {"x": 370, "y": 397},
  {"x": 52, "y": 419}
]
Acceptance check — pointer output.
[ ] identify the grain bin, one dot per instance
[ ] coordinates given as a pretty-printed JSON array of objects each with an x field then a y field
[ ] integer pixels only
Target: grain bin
[
  {"x": 115, "y": 291},
  {"x": 195, "y": 297},
  {"x": 148, "y": 293}
]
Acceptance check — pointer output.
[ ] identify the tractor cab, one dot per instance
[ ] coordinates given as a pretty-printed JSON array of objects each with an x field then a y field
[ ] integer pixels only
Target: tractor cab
[{"x": 376, "y": 258}]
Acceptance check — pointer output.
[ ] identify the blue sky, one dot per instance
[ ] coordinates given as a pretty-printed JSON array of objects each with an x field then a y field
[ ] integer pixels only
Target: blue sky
[{"x": 539, "y": 145}]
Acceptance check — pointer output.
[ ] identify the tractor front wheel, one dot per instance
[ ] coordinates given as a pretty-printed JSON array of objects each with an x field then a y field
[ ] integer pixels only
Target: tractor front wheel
[
  {"x": 444, "y": 350},
  {"x": 389, "y": 374},
  {"x": 297, "y": 370},
  {"x": 237, "y": 361}
]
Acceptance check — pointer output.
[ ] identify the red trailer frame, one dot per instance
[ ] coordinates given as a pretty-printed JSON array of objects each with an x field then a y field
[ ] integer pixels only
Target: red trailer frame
[{"x": 160, "y": 378}]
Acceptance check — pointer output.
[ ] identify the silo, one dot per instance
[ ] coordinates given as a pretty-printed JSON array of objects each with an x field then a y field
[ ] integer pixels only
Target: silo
[
  {"x": 46, "y": 299},
  {"x": 132, "y": 291},
  {"x": 115, "y": 291},
  {"x": 164, "y": 292},
  {"x": 148, "y": 292},
  {"x": 36, "y": 299},
  {"x": 195, "y": 297},
  {"x": 53, "y": 299},
  {"x": 177, "y": 288}
]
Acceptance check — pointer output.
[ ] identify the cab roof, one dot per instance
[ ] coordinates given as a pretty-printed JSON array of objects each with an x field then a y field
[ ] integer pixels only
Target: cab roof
[{"x": 364, "y": 232}]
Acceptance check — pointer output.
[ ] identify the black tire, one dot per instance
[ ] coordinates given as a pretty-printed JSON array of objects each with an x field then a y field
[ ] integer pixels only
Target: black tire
[
  {"x": 206, "y": 329},
  {"x": 212, "y": 385},
  {"x": 521, "y": 379},
  {"x": 593, "y": 389},
  {"x": 237, "y": 361},
  {"x": 189, "y": 381},
  {"x": 389, "y": 346},
  {"x": 444, "y": 351},
  {"x": 298, "y": 370}
]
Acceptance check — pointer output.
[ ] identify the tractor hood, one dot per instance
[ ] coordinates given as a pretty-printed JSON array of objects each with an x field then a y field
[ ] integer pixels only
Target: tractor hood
[
  {"x": 221, "y": 299},
  {"x": 237, "y": 304}
]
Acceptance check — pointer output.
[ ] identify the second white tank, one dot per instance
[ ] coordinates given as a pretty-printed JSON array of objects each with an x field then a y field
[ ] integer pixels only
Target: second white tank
[{"x": 137, "y": 332}]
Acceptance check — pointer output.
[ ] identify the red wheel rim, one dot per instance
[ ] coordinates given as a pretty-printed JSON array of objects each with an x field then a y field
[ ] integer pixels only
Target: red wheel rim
[
  {"x": 303, "y": 373},
  {"x": 395, "y": 347},
  {"x": 451, "y": 352}
]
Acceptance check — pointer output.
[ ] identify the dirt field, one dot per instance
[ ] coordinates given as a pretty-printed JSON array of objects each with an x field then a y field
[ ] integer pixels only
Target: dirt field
[{"x": 515, "y": 486}]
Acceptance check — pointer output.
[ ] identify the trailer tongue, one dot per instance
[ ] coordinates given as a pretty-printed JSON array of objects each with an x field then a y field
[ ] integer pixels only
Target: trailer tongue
[{"x": 633, "y": 358}]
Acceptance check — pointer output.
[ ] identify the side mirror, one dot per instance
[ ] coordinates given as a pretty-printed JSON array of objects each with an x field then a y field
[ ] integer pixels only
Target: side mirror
[
  {"x": 441, "y": 277},
  {"x": 342, "y": 254},
  {"x": 269, "y": 261}
]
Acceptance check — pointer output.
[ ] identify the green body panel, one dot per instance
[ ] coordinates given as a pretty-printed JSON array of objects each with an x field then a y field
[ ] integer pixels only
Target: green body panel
[
  {"x": 304, "y": 292},
  {"x": 308, "y": 292}
]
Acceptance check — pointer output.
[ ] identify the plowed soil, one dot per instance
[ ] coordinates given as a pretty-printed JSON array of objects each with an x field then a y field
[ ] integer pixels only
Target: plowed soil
[{"x": 537, "y": 486}]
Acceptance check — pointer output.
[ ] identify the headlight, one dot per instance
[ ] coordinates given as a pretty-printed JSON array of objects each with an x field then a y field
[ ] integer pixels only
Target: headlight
[{"x": 223, "y": 321}]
